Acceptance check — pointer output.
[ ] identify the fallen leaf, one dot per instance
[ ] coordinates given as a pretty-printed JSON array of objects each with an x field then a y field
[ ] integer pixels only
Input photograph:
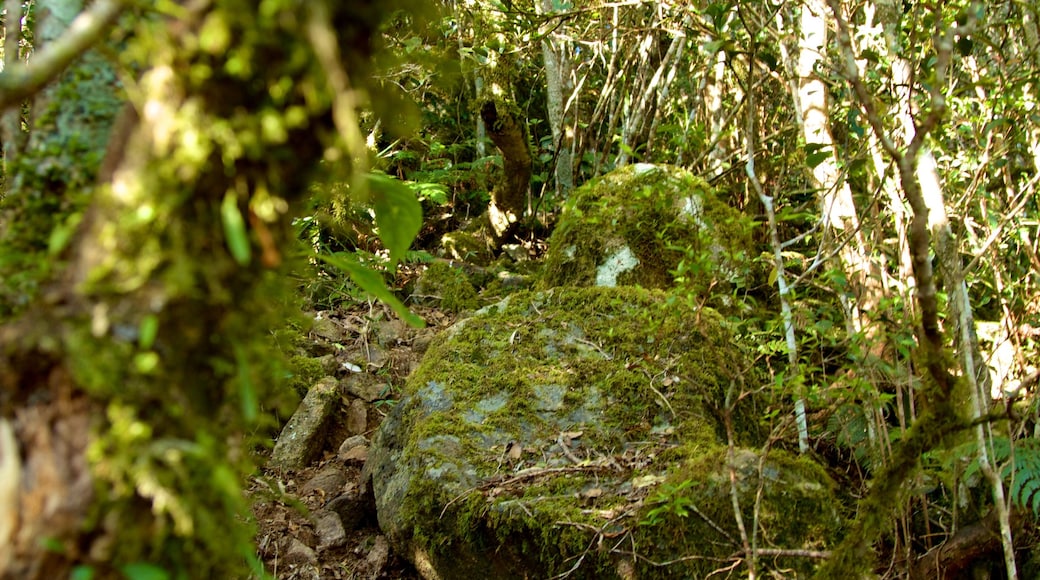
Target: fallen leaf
[
  {"x": 592, "y": 493},
  {"x": 514, "y": 450},
  {"x": 646, "y": 481}
]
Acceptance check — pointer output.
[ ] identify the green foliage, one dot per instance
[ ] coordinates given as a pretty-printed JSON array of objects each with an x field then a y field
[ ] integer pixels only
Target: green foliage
[
  {"x": 398, "y": 215},
  {"x": 46, "y": 190},
  {"x": 1021, "y": 468},
  {"x": 450, "y": 285},
  {"x": 672, "y": 499},
  {"x": 371, "y": 282}
]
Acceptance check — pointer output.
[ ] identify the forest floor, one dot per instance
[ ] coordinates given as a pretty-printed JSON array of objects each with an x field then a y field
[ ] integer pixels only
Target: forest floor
[{"x": 293, "y": 539}]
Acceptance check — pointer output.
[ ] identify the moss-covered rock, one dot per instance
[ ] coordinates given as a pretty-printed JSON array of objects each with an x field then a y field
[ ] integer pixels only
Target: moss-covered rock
[
  {"x": 546, "y": 425},
  {"x": 449, "y": 287},
  {"x": 654, "y": 226}
]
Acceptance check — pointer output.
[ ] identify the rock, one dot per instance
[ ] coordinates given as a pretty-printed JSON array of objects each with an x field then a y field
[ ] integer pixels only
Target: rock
[
  {"x": 303, "y": 437},
  {"x": 329, "y": 481},
  {"x": 602, "y": 408},
  {"x": 422, "y": 339},
  {"x": 378, "y": 555},
  {"x": 359, "y": 454},
  {"x": 357, "y": 417},
  {"x": 328, "y": 329},
  {"x": 353, "y": 448},
  {"x": 389, "y": 332},
  {"x": 446, "y": 286},
  {"x": 376, "y": 357},
  {"x": 353, "y": 507},
  {"x": 329, "y": 528},
  {"x": 352, "y": 442},
  {"x": 300, "y": 554},
  {"x": 329, "y": 364},
  {"x": 604, "y": 236},
  {"x": 365, "y": 387}
]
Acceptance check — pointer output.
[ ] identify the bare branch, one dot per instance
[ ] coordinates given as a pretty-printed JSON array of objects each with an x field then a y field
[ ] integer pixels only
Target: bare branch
[{"x": 22, "y": 81}]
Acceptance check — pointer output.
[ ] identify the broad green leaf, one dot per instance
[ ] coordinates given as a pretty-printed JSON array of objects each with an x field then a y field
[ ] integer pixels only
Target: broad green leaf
[
  {"x": 143, "y": 571},
  {"x": 148, "y": 331},
  {"x": 372, "y": 282},
  {"x": 398, "y": 214},
  {"x": 62, "y": 233},
  {"x": 246, "y": 389},
  {"x": 235, "y": 229}
]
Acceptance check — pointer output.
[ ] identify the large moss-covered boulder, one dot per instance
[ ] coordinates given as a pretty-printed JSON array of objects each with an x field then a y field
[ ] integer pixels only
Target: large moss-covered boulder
[
  {"x": 652, "y": 226},
  {"x": 585, "y": 431}
]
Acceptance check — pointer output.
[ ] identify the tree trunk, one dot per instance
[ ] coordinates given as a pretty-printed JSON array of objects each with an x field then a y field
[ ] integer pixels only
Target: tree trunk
[
  {"x": 555, "y": 80},
  {"x": 11, "y": 123},
  {"x": 131, "y": 382},
  {"x": 508, "y": 132}
]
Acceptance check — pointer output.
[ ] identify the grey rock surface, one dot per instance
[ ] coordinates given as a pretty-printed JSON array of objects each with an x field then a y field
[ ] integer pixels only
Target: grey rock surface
[{"x": 302, "y": 438}]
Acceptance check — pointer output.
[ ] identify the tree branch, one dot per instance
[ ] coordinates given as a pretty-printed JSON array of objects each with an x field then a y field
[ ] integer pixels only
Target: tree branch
[{"x": 22, "y": 81}]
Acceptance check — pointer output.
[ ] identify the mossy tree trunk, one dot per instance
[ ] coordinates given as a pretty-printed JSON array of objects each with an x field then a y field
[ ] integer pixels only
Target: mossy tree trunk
[
  {"x": 127, "y": 387},
  {"x": 507, "y": 130}
]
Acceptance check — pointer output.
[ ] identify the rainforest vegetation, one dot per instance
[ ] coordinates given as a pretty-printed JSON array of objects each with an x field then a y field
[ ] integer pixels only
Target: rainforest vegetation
[{"x": 183, "y": 182}]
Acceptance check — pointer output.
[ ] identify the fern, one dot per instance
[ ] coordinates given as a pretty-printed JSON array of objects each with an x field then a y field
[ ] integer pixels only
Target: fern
[{"x": 1021, "y": 469}]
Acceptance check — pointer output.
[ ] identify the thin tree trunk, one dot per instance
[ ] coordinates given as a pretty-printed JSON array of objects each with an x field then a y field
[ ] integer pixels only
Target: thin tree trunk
[
  {"x": 11, "y": 124},
  {"x": 555, "y": 79}
]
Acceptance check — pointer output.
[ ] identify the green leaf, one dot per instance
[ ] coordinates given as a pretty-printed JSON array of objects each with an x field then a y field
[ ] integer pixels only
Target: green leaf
[
  {"x": 62, "y": 233},
  {"x": 816, "y": 153},
  {"x": 146, "y": 362},
  {"x": 372, "y": 282},
  {"x": 246, "y": 389},
  {"x": 398, "y": 214},
  {"x": 82, "y": 573},
  {"x": 235, "y": 229},
  {"x": 143, "y": 571},
  {"x": 434, "y": 192},
  {"x": 148, "y": 331}
]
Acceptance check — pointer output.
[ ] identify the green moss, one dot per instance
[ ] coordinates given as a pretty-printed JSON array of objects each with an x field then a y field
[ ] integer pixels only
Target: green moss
[
  {"x": 660, "y": 225},
  {"x": 787, "y": 502},
  {"x": 596, "y": 359},
  {"x": 304, "y": 371},
  {"x": 449, "y": 286}
]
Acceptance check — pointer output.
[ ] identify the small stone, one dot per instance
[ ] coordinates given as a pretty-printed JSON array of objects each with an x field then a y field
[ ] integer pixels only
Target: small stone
[
  {"x": 349, "y": 443},
  {"x": 352, "y": 442},
  {"x": 359, "y": 454},
  {"x": 365, "y": 387},
  {"x": 299, "y": 553},
  {"x": 331, "y": 533},
  {"x": 329, "y": 481},
  {"x": 301, "y": 441},
  {"x": 328, "y": 329},
  {"x": 378, "y": 555},
  {"x": 351, "y": 507},
  {"x": 421, "y": 341},
  {"x": 328, "y": 364},
  {"x": 357, "y": 417},
  {"x": 389, "y": 331},
  {"x": 376, "y": 356}
]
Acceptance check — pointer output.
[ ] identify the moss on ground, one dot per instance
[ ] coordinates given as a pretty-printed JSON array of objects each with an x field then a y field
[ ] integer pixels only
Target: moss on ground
[{"x": 449, "y": 286}]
